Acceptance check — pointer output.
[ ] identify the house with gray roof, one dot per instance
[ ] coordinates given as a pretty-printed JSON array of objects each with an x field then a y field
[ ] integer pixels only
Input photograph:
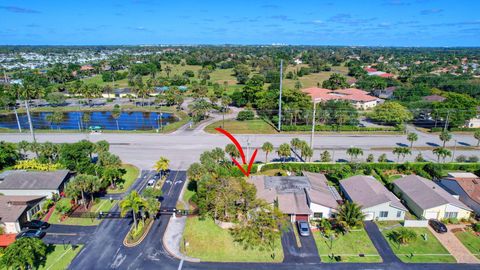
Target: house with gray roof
[
  {"x": 376, "y": 201},
  {"x": 16, "y": 210},
  {"x": 300, "y": 197},
  {"x": 33, "y": 183},
  {"x": 428, "y": 200}
]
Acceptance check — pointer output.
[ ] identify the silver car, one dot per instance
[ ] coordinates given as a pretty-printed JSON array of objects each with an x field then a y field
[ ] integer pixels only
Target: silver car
[{"x": 303, "y": 228}]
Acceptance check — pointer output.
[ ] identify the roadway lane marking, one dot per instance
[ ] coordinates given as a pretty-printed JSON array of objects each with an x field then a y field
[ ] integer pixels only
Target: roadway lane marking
[
  {"x": 67, "y": 234},
  {"x": 175, "y": 178},
  {"x": 180, "y": 265}
]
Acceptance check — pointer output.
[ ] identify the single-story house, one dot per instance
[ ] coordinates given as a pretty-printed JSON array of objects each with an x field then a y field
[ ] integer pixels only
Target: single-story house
[
  {"x": 300, "y": 197},
  {"x": 358, "y": 98},
  {"x": 33, "y": 183},
  {"x": 428, "y": 200},
  {"x": 466, "y": 186},
  {"x": 386, "y": 93},
  {"x": 377, "y": 202},
  {"x": 16, "y": 210}
]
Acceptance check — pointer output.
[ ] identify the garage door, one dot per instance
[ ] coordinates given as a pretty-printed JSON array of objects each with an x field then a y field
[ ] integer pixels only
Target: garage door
[
  {"x": 301, "y": 218},
  {"x": 430, "y": 215},
  {"x": 368, "y": 216}
]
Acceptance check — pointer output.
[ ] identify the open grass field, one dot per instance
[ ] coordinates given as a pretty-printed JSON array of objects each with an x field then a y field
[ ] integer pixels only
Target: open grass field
[
  {"x": 209, "y": 242},
  {"x": 348, "y": 246},
  {"x": 470, "y": 241},
  {"x": 311, "y": 80},
  {"x": 256, "y": 126},
  {"x": 100, "y": 205},
  {"x": 430, "y": 250},
  {"x": 59, "y": 257},
  {"x": 129, "y": 177}
]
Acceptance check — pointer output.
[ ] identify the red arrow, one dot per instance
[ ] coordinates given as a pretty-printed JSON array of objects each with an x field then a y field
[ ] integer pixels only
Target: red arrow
[{"x": 240, "y": 150}]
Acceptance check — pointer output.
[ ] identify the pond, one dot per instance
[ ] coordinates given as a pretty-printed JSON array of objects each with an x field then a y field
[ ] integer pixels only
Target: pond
[{"x": 84, "y": 120}]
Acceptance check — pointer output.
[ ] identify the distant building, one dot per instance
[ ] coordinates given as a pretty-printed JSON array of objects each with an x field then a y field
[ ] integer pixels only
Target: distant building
[
  {"x": 374, "y": 72},
  {"x": 474, "y": 122},
  {"x": 300, "y": 197},
  {"x": 86, "y": 68},
  {"x": 297, "y": 61},
  {"x": 466, "y": 186},
  {"x": 386, "y": 93},
  {"x": 434, "y": 98},
  {"x": 360, "y": 99},
  {"x": 33, "y": 183}
]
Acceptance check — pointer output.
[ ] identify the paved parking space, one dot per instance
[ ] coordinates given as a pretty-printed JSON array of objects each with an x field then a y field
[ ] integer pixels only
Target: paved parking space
[
  {"x": 308, "y": 253},
  {"x": 455, "y": 247}
]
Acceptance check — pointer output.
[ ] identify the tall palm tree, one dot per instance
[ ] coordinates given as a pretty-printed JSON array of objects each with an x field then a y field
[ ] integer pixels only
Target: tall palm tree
[
  {"x": 476, "y": 135},
  {"x": 132, "y": 202},
  {"x": 350, "y": 214},
  {"x": 412, "y": 137},
  {"x": 295, "y": 143},
  {"x": 267, "y": 147},
  {"x": 306, "y": 151},
  {"x": 445, "y": 136},
  {"x": 284, "y": 151},
  {"x": 162, "y": 164},
  {"x": 232, "y": 150},
  {"x": 401, "y": 151},
  {"x": 354, "y": 152},
  {"x": 442, "y": 153}
]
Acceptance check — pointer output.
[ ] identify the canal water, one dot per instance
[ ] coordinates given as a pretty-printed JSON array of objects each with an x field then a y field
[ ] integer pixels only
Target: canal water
[{"x": 84, "y": 120}]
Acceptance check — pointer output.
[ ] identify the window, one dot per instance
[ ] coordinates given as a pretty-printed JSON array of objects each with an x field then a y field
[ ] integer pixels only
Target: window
[
  {"x": 399, "y": 214},
  {"x": 450, "y": 215},
  {"x": 383, "y": 214},
  {"x": 318, "y": 215}
]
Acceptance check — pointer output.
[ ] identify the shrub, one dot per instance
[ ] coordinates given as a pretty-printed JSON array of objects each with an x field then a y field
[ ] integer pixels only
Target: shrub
[
  {"x": 476, "y": 227},
  {"x": 64, "y": 206},
  {"x": 337, "y": 128},
  {"x": 473, "y": 159},
  {"x": 245, "y": 115},
  {"x": 461, "y": 158}
]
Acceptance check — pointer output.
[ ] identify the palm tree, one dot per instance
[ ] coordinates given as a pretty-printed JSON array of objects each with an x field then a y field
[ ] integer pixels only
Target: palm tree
[
  {"x": 267, "y": 147},
  {"x": 295, "y": 143},
  {"x": 354, "y": 152},
  {"x": 476, "y": 135},
  {"x": 412, "y": 137},
  {"x": 162, "y": 164},
  {"x": 24, "y": 253},
  {"x": 401, "y": 151},
  {"x": 23, "y": 146},
  {"x": 442, "y": 153},
  {"x": 199, "y": 109},
  {"x": 116, "y": 112},
  {"x": 168, "y": 69},
  {"x": 132, "y": 202},
  {"x": 284, "y": 151},
  {"x": 445, "y": 136},
  {"x": 232, "y": 150},
  {"x": 402, "y": 236},
  {"x": 306, "y": 151},
  {"x": 350, "y": 214}
]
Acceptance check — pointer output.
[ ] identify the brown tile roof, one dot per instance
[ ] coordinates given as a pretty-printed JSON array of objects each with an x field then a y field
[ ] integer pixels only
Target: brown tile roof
[
  {"x": 469, "y": 183},
  {"x": 350, "y": 94}
]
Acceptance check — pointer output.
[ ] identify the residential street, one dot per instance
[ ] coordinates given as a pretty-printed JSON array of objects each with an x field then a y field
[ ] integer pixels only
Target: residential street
[{"x": 142, "y": 150}]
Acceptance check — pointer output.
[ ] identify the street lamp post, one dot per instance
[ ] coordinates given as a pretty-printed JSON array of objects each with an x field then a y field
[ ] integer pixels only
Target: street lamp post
[{"x": 454, "y": 150}]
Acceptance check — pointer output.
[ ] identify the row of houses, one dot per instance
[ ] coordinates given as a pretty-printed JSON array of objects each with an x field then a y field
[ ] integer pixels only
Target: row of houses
[
  {"x": 23, "y": 194},
  {"x": 310, "y": 196}
]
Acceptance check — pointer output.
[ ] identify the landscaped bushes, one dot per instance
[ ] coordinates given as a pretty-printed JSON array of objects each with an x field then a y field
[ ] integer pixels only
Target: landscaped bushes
[
  {"x": 440, "y": 129},
  {"x": 245, "y": 115},
  {"x": 337, "y": 128}
]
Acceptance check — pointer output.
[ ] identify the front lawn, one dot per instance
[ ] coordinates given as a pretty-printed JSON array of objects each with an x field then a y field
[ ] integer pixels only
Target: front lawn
[
  {"x": 59, "y": 257},
  {"x": 208, "y": 242},
  {"x": 470, "y": 241},
  {"x": 128, "y": 178},
  {"x": 256, "y": 126},
  {"x": 348, "y": 246},
  {"x": 100, "y": 205},
  {"x": 430, "y": 250}
]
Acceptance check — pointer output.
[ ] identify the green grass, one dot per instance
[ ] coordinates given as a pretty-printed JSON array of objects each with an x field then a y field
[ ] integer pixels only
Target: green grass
[
  {"x": 311, "y": 80},
  {"x": 430, "y": 250},
  {"x": 129, "y": 178},
  {"x": 208, "y": 242},
  {"x": 470, "y": 241},
  {"x": 100, "y": 205},
  {"x": 256, "y": 126},
  {"x": 348, "y": 246},
  {"x": 60, "y": 257}
]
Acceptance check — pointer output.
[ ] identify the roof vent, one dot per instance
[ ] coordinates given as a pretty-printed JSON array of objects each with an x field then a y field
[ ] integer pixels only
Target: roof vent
[{"x": 9, "y": 204}]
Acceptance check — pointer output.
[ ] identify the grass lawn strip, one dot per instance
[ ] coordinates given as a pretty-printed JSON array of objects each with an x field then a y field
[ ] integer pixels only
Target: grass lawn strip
[
  {"x": 102, "y": 205},
  {"x": 256, "y": 126},
  {"x": 60, "y": 258},
  {"x": 348, "y": 246},
  {"x": 129, "y": 178},
  {"x": 430, "y": 250},
  {"x": 470, "y": 241},
  {"x": 209, "y": 242}
]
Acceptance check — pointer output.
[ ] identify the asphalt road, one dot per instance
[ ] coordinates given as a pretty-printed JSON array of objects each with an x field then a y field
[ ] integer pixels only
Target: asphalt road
[
  {"x": 183, "y": 149},
  {"x": 380, "y": 243}
]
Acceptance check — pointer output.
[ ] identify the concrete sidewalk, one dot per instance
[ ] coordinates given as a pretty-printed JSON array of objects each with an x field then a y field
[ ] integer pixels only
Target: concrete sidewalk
[{"x": 173, "y": 237}]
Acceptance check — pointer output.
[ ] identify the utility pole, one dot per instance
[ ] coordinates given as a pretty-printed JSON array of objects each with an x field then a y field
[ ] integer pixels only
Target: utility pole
[
  {"x": 16, "y": 116},
  {"x": 30, "y": 122},
  {"x": 280, "y": 99},
  {"x": 446, "y": 122},
  {"x": 313, "y": 124},
  {"x": 454, "y": 150}
]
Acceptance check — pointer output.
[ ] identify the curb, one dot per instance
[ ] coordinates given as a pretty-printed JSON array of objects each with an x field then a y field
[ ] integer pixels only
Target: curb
[
  {"x": 139, "y": 240},
  {"x": 185, "y": 258}
]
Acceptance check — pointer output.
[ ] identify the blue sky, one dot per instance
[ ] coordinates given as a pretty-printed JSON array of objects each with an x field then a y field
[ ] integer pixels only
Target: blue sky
[{"x": 329, "y": 22}]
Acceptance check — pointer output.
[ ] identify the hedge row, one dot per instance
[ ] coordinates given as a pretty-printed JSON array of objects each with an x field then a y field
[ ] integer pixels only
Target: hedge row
[
  {"x": 440, "y": 129},
  {"x": 336, "y": 128},
  {"x": 328, "y": 167}
]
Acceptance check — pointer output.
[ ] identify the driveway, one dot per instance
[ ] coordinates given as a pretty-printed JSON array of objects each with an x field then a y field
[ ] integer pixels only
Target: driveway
[
  {"x": 380, "y": 243},
  {"x": 67, "y": 234},
  {"x": 454, "y": 246},
  {"x": 308, "y": 253}
]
